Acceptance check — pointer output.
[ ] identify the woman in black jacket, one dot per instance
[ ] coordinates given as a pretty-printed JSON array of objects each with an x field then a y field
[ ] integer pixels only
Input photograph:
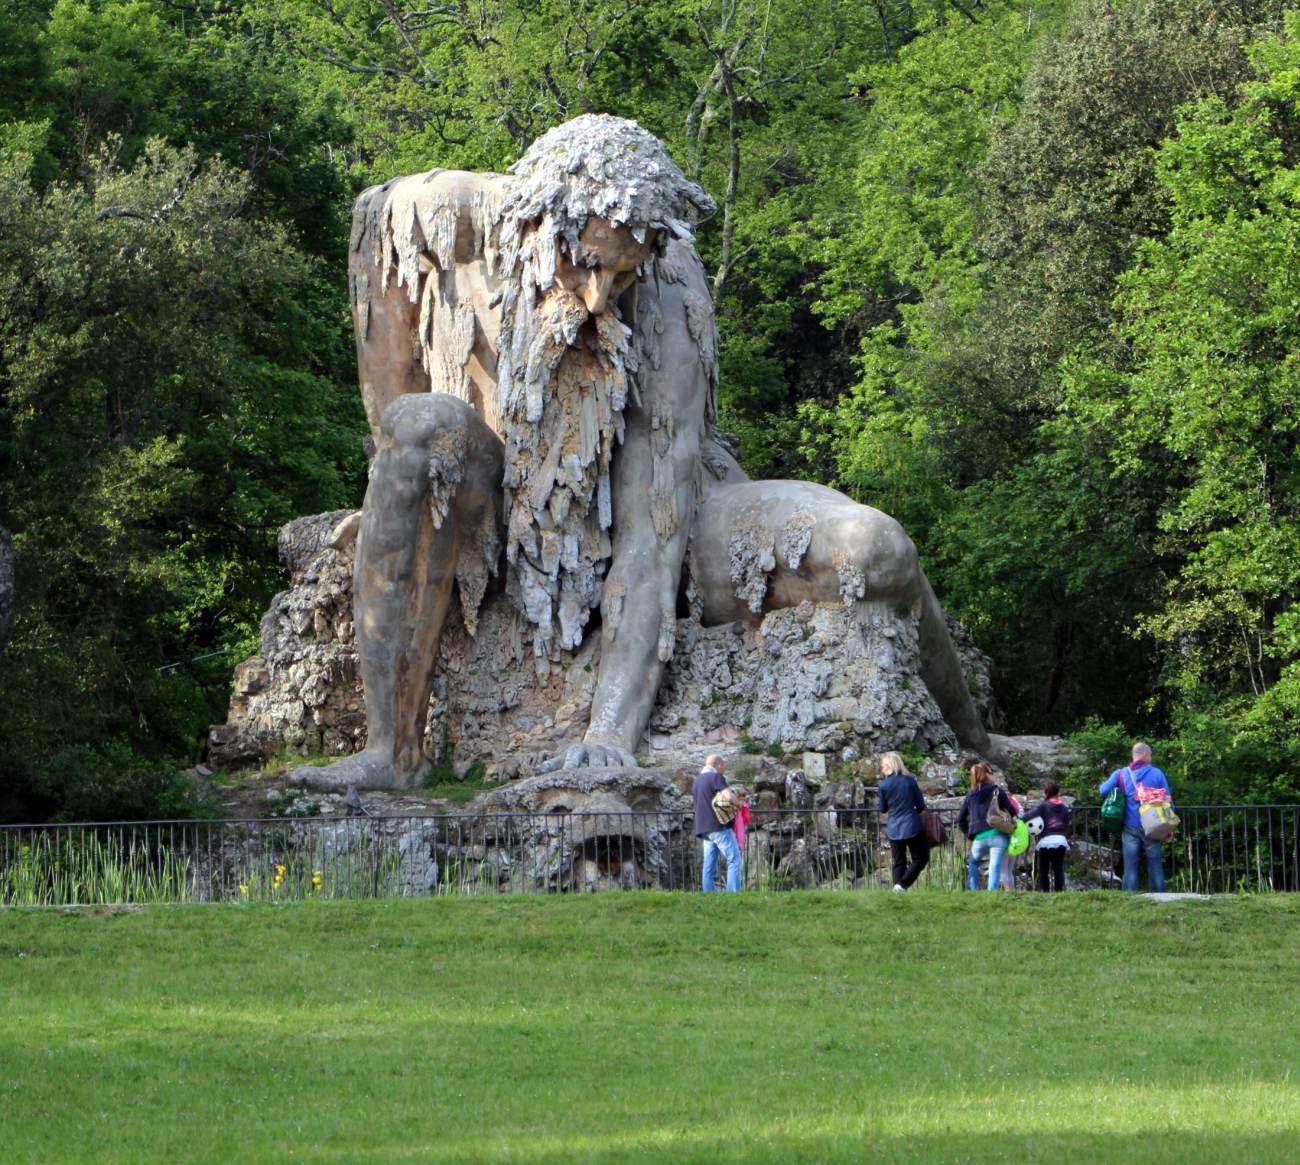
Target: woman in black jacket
[
  {"x": 900, "y": 797},
  {"x": 973, "y": 820}
]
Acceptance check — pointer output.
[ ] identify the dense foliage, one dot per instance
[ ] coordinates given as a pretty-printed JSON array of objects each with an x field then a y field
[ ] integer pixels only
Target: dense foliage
[
  {"x": 1020, "y": 273},
  {"x": 174, "y": 385}
]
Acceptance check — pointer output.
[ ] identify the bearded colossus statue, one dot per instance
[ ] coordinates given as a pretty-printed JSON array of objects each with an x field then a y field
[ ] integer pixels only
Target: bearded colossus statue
[{"x": 538, "y": 362}]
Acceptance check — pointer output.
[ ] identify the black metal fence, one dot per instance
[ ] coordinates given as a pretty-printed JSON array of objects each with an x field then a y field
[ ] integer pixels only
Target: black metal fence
[{"x": 1218, "y": 849}]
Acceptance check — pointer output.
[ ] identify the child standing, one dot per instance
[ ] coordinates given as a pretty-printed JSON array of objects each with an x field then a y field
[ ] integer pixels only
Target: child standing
[
  {"x": 1009, "y": 864},
  {"x": 1054, "y": 839}
]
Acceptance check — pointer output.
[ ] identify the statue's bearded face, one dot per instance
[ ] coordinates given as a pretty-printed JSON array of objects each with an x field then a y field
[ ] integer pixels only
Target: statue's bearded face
[
  {"x": 570, "y": 356},
  {"x": 605, "y": 265}
]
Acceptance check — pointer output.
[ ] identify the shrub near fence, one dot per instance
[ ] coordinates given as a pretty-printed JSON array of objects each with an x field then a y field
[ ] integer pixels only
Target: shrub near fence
[{"x": 1218, "y": 849}]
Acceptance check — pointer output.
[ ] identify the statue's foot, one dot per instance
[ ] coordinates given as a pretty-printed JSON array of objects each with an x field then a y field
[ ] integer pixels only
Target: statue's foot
[
  {"x": 590, "y": 756},
  {"x": 364, "y": 770}
]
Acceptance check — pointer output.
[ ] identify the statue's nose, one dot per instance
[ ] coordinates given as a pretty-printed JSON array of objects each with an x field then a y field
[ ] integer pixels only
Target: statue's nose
[{"x": 596, "y": 291}]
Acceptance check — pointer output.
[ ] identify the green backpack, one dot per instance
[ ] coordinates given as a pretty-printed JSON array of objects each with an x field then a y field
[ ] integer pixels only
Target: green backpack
[{"x": 1114, "y": 807}]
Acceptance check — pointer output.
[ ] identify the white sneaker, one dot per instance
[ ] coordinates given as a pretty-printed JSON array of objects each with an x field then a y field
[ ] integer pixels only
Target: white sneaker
[{"x": 899, "y": 889}]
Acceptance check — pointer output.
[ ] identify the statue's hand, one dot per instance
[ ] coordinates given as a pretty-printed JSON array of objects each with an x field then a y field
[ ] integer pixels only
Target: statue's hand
[{"x": 590, "y": 756}]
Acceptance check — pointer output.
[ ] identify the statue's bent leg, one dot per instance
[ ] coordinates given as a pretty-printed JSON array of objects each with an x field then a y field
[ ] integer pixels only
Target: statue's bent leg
[
  {"x": 434, "y": 487},
  {"x": 761, "y": 546}
]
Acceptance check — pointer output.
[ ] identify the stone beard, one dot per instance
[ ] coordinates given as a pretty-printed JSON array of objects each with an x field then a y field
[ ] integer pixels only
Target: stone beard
[{"x": 563, "y": 387}]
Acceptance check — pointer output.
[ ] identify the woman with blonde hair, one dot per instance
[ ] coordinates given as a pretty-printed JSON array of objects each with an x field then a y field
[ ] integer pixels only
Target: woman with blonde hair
[
  {"x": 973, "y": 821},
  {"x": 900, "y": 797}
]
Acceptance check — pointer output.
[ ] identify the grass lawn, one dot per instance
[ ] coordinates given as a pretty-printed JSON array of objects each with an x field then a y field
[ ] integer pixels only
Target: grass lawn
[{"x": 648, "y": 1027}]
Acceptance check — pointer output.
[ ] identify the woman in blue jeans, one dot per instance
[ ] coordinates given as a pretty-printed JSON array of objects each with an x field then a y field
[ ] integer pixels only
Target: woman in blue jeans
[{"x": 973, "y": 821}]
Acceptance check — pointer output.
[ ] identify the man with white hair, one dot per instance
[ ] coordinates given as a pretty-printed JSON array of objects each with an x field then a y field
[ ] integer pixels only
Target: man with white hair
[
  {"x": 538, "y": 361},
  {"x": 1142, "y": 783},
  {"x": 718, "y": 836}
]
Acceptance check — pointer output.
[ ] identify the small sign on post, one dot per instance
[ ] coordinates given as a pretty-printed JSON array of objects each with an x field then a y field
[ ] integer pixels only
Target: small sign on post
[{"x": 814, "y": 766}]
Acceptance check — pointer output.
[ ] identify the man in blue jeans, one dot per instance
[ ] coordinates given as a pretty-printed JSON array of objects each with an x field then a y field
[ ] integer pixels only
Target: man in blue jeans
[
  {"x": 717, "y": 838},
  {"x": 1142, "y": 782}
]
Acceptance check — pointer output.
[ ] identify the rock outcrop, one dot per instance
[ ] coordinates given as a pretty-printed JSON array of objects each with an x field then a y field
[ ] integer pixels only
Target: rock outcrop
[{"x": 303, "y": 688}]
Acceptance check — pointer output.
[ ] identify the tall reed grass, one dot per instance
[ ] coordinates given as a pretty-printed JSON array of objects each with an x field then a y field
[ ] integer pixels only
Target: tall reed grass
[{"x": 87, "y": 868}]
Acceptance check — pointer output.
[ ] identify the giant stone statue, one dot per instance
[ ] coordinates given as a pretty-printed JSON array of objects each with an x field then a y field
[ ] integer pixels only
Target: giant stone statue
[{"x": 538, "y": 362}]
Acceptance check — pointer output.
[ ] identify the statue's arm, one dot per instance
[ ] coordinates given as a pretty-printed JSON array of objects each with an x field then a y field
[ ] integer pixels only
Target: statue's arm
[{"x": 655, "y": 482}]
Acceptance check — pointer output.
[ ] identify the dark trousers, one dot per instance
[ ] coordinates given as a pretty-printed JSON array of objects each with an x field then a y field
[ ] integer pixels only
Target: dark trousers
[
  {"x": 905, "y": 875},
  {"x": 1051, "y": 863}
]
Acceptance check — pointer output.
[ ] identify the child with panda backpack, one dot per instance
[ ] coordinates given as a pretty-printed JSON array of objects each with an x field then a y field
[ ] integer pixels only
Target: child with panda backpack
[{"x": 1053, "y": 837}]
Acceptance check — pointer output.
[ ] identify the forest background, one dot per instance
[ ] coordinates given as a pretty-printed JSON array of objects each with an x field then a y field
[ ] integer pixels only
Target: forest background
[{"x": 1024, "y": 275}]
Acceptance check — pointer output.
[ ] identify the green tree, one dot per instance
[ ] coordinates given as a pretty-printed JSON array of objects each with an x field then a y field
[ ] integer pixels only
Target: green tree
[
  {"x": 900, "y": 255},
  {"x": 176, "y": 376},
  {"x": 1013, "y": 210},
  {"x": 1209, "y": 314},
  {"x": 159, "y": 418}
]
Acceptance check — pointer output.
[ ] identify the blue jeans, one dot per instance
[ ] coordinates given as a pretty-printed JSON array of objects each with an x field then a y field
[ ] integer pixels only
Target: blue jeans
[
  {"x": 996, "y": 848},
  {"x": 1135, "y": 841},
  {"x": 723, "y": 841}
]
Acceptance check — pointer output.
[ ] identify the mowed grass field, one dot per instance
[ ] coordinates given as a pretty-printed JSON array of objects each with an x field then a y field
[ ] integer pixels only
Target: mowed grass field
[{"x": 927, "y": 1027}]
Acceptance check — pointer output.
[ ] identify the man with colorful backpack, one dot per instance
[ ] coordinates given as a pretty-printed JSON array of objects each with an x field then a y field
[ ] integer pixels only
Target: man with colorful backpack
[
  {"x": 1148, "y": 816},
  {"x": 716, "y": 806}
]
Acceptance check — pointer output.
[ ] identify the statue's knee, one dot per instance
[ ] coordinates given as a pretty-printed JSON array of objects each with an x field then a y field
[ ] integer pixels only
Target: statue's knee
[
  {"x": 901, "y": 551},
  {"x": 422, "y": 443},
  {"x": 415, "y": 419},
  {"x": 885, "y": 554}
]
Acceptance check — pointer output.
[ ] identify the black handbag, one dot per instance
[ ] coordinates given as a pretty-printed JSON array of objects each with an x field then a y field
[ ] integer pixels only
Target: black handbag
[{"x": 936, "y": 833}]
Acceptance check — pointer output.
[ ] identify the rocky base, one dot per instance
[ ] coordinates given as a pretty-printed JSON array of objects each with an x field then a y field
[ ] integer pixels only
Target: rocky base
[{"x": 824, "y": 678}]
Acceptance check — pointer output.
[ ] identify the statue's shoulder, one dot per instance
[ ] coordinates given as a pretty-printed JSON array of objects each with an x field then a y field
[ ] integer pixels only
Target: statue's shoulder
[
  {"x": 447, "y": 213},
  {"x": 452, "y": 188}
]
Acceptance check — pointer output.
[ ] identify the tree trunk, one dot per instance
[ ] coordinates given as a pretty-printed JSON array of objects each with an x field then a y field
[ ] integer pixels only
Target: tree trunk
[{"x": 6, "y": 587}]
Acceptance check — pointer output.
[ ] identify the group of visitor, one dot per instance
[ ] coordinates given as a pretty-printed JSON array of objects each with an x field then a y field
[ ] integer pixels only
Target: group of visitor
[{"x": 995, "y": 823}]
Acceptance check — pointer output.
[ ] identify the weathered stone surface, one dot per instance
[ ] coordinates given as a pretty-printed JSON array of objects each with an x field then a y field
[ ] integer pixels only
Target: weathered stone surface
[
  {"x": 303, "y": 688},
  {"x": 619, "y": 790},
  {"x": 1046, "y": 754},
  {"x": 980, "y": 674},
  {"x": 797, "y": 793},
  {"x": 537, "y": 354},
  {"x": 587, "y": 830},
  {"x": 808, "y": 677}
]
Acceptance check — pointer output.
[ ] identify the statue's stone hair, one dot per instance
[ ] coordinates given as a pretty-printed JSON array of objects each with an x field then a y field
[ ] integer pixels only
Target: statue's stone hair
[{"x": 608, "y": 166}]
